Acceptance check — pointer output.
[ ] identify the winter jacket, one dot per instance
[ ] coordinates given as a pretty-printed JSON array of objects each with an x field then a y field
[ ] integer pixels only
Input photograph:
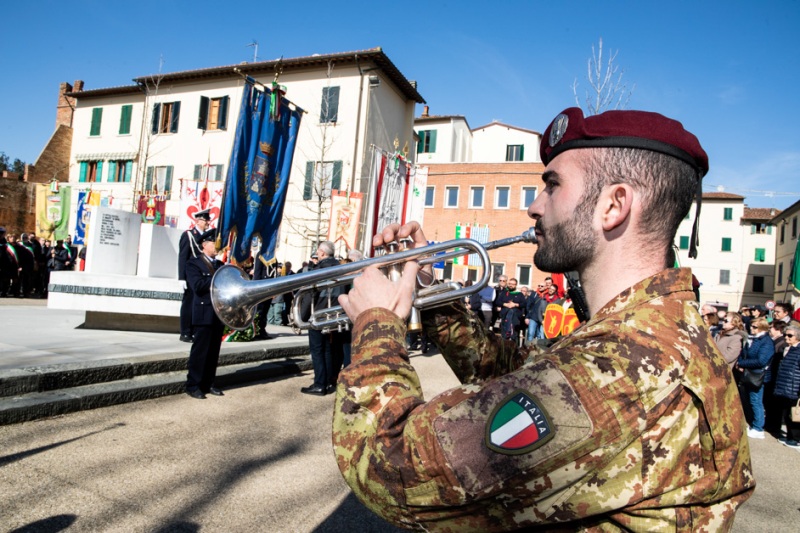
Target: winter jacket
[
  {"x": 787, "y": 381},
  {"x": 758, "y": 355},
  {"x": 730, "y": 344}
]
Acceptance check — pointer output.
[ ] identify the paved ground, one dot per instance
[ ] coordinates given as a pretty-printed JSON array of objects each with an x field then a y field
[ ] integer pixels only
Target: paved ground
[{"x": 257, "y": 459}]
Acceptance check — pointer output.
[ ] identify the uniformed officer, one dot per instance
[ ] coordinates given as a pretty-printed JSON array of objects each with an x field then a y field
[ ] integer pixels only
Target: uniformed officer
[
  {"x": 631, "y": 422},
  {"x": 189, "y": 247},
  {"x": 204, "y": 355}
]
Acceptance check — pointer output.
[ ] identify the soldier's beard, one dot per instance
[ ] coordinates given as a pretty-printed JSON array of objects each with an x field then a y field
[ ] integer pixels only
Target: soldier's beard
[{"x": 570, "y": 244}]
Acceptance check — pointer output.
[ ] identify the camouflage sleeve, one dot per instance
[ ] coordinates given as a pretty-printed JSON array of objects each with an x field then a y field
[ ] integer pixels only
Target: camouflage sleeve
[{"x": 473, "y": 353}]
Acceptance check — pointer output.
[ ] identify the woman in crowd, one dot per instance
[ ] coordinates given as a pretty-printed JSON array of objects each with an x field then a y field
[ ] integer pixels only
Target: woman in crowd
[
  {"x": 711, "y": 320},
  {"x": 787, "y": 385},
  {"x": 773, "y": 406},
  {"x": 731, "y": 338},
  {"x": 756, "y": 358}
]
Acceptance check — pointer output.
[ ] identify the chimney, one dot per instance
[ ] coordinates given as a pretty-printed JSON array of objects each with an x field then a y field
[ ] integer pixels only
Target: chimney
[
  {"x": 66, "y": 105},
  {"x": 425, "y": 111}
]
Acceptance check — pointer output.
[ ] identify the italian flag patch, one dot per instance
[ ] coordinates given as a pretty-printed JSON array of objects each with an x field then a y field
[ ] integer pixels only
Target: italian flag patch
[{"x": 518, "y": 425}]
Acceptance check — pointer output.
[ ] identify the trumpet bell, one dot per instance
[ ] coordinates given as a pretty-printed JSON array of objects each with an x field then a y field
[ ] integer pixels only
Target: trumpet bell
[{"x": 229, "y": 296}]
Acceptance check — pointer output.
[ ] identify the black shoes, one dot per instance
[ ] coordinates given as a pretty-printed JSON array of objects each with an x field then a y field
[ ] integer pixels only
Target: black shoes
[
  {"x": 262, "y": 337},
  {"x": 215, "y": 392},
  {"x": 315, "y": 390},
  {"x": 186, "y": 338},
  {"x": 330, "y": 389},
  {"x": 197, "y": 394}
]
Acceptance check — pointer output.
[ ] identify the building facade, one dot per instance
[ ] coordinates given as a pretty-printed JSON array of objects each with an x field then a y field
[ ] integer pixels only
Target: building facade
[
  {"x": 786, "y": 229},
  {"x": 174, "y": 128}
]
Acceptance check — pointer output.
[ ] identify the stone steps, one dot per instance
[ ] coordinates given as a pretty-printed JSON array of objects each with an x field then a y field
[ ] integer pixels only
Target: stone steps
[{"x": 39, "y": 392}]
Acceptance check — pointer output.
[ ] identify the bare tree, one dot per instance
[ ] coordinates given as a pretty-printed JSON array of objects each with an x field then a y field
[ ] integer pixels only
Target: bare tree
[
  {"x": 150, "y": 87},
  {"x": 314, "y": 216},
  {"x": 606, "y": 88}
]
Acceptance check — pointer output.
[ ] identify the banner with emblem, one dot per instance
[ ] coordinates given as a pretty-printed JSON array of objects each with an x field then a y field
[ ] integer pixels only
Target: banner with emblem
[
  {"x": 258, "y": 173},
  {"x": 52, "y": 209},
  {"x": 199, "y": 196},
  {"x": 81, "y": 219},
  {"x": 152, "y": 209},
  {"x": 345, "y": 217},
  {"x": 419, "y": 184},
  {"x": 560, "y": 319}
]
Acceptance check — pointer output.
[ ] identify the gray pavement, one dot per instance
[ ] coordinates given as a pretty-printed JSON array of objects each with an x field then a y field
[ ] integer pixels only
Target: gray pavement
[{"x": 257, "y": 459}]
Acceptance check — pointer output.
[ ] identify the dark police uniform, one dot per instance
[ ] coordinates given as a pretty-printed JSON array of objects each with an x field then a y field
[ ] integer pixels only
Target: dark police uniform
[
  {"x": 188, "y": 248},
  {"x": 208, "y": 328}
]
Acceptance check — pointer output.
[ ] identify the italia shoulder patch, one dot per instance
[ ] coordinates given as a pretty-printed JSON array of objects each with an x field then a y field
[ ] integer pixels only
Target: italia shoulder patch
[{"x": 518, "y": 425}]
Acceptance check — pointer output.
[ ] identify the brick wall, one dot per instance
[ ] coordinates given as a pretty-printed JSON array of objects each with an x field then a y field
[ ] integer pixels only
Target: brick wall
[
  {"x": 54, "y": 159},
  {"x": 439, "y": 223},
  {"x": 17, "y": 205}
]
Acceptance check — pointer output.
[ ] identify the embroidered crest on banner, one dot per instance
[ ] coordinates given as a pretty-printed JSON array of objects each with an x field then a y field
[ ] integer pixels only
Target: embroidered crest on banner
[{"x": 518, "y": 425}]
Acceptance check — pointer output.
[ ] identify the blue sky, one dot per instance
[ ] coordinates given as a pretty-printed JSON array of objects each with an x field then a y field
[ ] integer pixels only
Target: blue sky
[{"x": 728, "y": 70}]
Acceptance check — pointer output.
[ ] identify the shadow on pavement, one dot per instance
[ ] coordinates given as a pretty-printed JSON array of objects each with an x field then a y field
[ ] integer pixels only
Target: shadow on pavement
[
  {"x": 48, "y": 525},
  {"x": 8, "y": 459},
  {"x": 351, "y": 515}
]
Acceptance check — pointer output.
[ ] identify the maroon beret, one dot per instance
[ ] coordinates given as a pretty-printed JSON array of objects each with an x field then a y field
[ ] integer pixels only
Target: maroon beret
[{"x": 622, "y": 129}]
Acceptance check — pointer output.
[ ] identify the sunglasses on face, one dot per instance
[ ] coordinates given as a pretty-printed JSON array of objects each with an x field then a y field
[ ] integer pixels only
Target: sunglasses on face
[{"x": 789, "y": 336}]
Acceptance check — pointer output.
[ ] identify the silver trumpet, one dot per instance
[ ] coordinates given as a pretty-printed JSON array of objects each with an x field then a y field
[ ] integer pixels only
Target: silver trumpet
[{"x": 235, "y": 297}]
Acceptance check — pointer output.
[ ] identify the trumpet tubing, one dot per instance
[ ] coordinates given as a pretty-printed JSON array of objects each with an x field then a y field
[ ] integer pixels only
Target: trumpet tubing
[{"x": 235, "y": 297}]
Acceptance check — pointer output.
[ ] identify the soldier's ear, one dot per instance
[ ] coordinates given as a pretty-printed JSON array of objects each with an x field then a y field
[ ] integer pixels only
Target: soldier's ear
[{"x": 615, "y": 205}]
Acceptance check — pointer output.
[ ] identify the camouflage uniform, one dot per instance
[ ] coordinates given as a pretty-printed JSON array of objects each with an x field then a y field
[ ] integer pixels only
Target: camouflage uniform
[{"x": 645, "y": 425}]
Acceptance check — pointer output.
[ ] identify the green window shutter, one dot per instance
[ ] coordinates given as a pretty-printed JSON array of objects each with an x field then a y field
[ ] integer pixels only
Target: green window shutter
[
  {"x": 99, "y": 177},
  {"x": 336, "y": 181},
  {"x": 309, "y": 184},
  {"x": 684, "y": 242},
  {"x": 752, "y": 229},
  {"x": 156, "y": 114},
  {"x": 220, "y": 168},
  {"x": 522, "y": 152},
  {"x": 82, "y": 177},
  {"x": 329, "y": 109},
  {"x": 128, "y": 171},
  {"x": 728, "y": 213},
  {"x": 112, "y": 171},
  {"x": 176, "y": 111},
  {"x": 726, "y": 244},
  {"x": 202, "y": 119},
  {"x": 222, "y": 119},
  {"x": 97, "y": 118},
  {"x": 769, "y": 230},
  {"x": 168, "y": 182},
  {"x": 197, "y": 172},
  {"x": 432, "y": 148},
  {"x": 760, "y": 255},
  {"x": 421, "y": 142},
  {"x": 148, "y": 181},
  {"x": 125, "y": 120}
]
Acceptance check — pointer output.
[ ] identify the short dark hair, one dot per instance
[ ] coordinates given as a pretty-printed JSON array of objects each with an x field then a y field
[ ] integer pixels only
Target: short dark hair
[
  {"x": 787, "y": 307},
  {"x": 667, "y": 185},
  {"x": 778, "y": 325}
]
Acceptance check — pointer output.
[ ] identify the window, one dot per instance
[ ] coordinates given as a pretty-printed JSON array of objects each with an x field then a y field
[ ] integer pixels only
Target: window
[
  {"x": 760, "y": 255},
  {"x": 125, "y": 119},
  {"x": 524, "y": 275},
  {"x": 165, "y": 117},
  {"x": 427, "y": 142},
  {"x": 210, "y": 172},
  {"x": 451, "y": 196},
  {"x": 329, "y": 109},
  {"x": 760, "y": 228},
  {"x": 448, "y": 270},
  {"x": 684, "y": 242},
  {"x": 783, "y": 231},
  {"x": 514, "y": 152},
  {"x": 213, "y": 113},
  {"x": 728, "y": 214},
  {"x": 97, "y": 119},
  {"x": 794, "y": 228},
  {"x": 321, "y": 178},
  {"x": 476, "y": 197},
  {"x": 91, "y": 171},
  {"x": 429, "y": 195},
  {"x": 498, "y": 269},
  {"x": 758, "y": 283},
  {"x": 120, "y": 171},
  {"x": 780, "y": 274},
  {"x": 472, "y": 274},
  {"x": 527, "y": 197},
  {"x": 726, "y": 244},
  {"x": 501, "y": 195},
  {"x": 159, "y": 180},
  {"x": 724, "y": 277}
]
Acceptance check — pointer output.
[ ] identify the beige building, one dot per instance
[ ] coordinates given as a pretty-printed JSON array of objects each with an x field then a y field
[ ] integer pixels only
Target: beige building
[
  {"x": 786, "y": 225},
  {"x": 172, "y": 128},
  {"x": 736, "y": 255}
]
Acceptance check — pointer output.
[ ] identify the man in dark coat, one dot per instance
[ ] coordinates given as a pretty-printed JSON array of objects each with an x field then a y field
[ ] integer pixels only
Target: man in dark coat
[
  {"x": 263, "y": 270},
  {"x": 204, "y": 355},
  {"x": 327, "y": 349},
  {"x": 188, "y": 248},
  {"x": 27, "y": 263},
  {"x": 8, "y": 264}
]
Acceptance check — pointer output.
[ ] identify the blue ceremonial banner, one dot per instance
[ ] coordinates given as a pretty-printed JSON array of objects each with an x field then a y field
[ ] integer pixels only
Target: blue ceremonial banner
[
  {"x": 82, "y": 219},
  {"x": 258, "y": 173}
]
